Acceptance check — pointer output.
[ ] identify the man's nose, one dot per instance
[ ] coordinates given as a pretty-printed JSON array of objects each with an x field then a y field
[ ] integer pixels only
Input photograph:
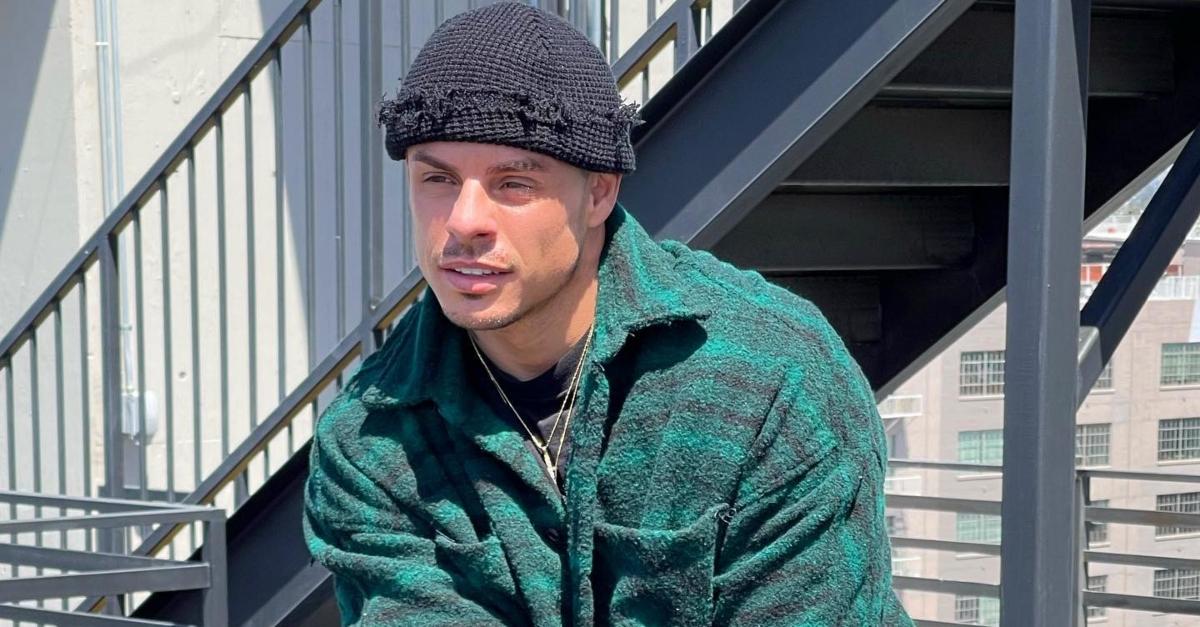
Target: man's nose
[{"x": 471, "y": 216}]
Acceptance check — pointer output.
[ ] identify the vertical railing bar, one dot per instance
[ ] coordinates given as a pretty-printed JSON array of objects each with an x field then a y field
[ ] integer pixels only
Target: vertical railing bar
[
  {"x": 87, "y": 398},
  {"x": 310, "y": 205},
  {"x": 142, "y": 441},
  {"x": 405, "y": 215},
  {"x": 708, "y": 22},
  {"x": 168, "y": 342},
  {"x": 222, "y": 286},
  {"x": 651, "y": 12},
  {"x": 215, "y": 604},
  {"x": 61, "y": 422},
  {"x": 12, "y": 445},
  {"x": 645, "y": 84},
  {"x": 36, "y": 425},
  {"x": 194, "y": 281},
  {"x": 374, "y": 146},
  {"x": 614, "y": 26},
  {"x": 366, "y": 120},
  {"x": 310, "y": 283},
  {"x": 251, "y": 266},
  {"x": 281, "y": 321},
  {"x": 339, "y": 169},
  {"x": 687, "y": 32}
]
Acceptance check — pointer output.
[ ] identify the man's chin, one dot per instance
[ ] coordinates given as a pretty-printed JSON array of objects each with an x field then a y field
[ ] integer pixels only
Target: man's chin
[{"x": 483, "y": 320}]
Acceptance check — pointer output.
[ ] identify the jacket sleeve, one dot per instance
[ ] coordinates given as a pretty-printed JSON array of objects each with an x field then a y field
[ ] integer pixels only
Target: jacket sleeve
[
  {"x": 806, "y": 543},
  {"x": 386, "y": 572}
]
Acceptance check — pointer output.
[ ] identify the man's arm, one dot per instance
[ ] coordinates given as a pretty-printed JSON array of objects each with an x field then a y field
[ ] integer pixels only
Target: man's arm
[
  {"x": 807, "y": 543},
  {"x": 385, "y": 572}
]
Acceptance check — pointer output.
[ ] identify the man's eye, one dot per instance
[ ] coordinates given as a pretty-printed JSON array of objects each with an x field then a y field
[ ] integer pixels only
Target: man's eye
[
  {"x": 437, "y": 178},
  {"x": 515, "y": 185}
]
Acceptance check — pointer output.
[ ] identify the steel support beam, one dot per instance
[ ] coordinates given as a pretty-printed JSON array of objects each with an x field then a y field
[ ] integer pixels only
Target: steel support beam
[
  {"x": 1040, "y": 558},
  {"x": 1139, "y": 263}
]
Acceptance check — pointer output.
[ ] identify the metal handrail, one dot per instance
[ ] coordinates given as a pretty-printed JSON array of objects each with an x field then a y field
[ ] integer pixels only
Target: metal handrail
[
  {"x": 1091, "y": 514},
  {"x": 106, "y": 573},
  {"x": 175, "y": 154}
]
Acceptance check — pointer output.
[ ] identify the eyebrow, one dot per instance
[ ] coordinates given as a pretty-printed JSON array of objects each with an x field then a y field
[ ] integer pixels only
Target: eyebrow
[{"x": 515, "y": 165}]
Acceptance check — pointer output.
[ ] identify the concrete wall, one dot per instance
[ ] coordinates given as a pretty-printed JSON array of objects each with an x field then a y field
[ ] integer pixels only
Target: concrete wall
[{"x": 38, "y": 170}]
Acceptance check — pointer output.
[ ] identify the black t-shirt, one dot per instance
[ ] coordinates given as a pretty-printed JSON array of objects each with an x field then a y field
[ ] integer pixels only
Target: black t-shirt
[{"x": 537, "y": 400}]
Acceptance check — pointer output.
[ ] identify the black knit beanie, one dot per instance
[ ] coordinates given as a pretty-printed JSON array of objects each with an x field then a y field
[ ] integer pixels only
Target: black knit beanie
[{"x": 511, "y": 74}]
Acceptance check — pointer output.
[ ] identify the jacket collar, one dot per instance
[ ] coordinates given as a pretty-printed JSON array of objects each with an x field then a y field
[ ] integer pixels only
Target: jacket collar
[{"x": 639, "y": 287}]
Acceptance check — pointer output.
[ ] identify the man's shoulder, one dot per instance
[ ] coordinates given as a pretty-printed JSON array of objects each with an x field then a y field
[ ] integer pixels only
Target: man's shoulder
[
  {"x": 373, "y": 379},
  {"x": 745, "y": 307}
]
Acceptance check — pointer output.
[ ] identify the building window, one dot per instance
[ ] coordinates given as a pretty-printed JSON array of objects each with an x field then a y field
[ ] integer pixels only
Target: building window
[
  {"x": 1177, "y": 583},
  {"x": 1097, "y": 533},
  {"x": 1104, "y": 383},
  {"x": 983, "y": 528},
  {"x": 973, "y": 610},
  {"x": 1091, "y": 445},
  {"x": 1183, "y": 503},
  {"x": 1180, "y": 364},
  {"x": 1178, "y": 439},
  {"x": 1099, "y": 583},
  {"x": 981, "y": 447},
  {"x": 981, "y": 373}
]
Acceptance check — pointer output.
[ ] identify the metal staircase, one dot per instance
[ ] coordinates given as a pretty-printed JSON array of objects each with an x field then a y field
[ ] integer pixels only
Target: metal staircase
[{"x": 859, "y": 158}]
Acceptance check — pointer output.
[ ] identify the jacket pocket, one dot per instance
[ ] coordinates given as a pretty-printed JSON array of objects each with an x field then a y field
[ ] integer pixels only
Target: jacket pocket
[
  {"x": 656, "y": 576},
  {"x": 480, "y": 570}
]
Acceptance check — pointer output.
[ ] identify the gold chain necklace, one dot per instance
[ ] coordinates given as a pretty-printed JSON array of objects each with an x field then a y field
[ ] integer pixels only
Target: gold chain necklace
[{"x": 572, "y": 393}]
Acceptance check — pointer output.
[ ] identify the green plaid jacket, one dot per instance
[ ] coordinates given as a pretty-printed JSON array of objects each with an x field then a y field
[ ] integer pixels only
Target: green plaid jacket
[{"x": 727, "y": 468}]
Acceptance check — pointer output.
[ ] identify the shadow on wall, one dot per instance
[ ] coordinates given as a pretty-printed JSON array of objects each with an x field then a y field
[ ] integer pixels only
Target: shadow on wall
[{"x": 37, "y": 50}]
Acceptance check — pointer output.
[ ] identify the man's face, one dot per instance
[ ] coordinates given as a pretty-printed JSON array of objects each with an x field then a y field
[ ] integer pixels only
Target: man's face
[{"x": 498, "y": 230}]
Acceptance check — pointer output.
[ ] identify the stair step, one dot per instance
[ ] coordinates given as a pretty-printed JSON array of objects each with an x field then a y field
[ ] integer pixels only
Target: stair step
[
  {"x": 886, "y": 147},
  {"x": 806, "y": 233},
  {"x": 1131, "y": 56}
]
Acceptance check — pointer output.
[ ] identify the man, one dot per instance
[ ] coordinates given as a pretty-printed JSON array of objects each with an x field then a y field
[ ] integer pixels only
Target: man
[{"x": 577, "y": 425}]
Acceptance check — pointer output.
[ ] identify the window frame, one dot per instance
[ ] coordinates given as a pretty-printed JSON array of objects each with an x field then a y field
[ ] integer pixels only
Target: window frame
[{"x": 989, "y": 367}]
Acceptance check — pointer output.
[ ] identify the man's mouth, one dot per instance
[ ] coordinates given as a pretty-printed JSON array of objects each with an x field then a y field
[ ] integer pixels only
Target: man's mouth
[
  {"x": 474, "y": 279},
  {"x": 475, "y": 271}
]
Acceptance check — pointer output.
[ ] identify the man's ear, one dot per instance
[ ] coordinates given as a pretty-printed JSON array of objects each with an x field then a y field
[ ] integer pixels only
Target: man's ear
[{"x": 602, "y": 190}]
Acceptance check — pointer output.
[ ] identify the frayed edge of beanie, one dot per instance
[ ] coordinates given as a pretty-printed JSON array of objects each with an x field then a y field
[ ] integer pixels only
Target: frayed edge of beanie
[{"x": 433, "y": 107}]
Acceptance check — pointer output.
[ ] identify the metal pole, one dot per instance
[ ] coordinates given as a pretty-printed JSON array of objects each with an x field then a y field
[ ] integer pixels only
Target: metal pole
[
  {"x": 216, "y": 597},
  {"x": 251, "y": 256},
  {"x": 687, "y": 33},
  {"x": 1039, "y": 571},
  {"x": 339, "y": 169},
  {"x": 110, "y": 371},
  {"x": 168, "y": 339},
  {"x": 142, "y": 440},
  {"x": 222, "y": 284},
  {"x": 280, "y": 287},
  {"x": 310, "y": 203},
  {"x": 371, "y": 164},
  {"x": 86, "y": 403},
  {"x": 193, "y": 280}
]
